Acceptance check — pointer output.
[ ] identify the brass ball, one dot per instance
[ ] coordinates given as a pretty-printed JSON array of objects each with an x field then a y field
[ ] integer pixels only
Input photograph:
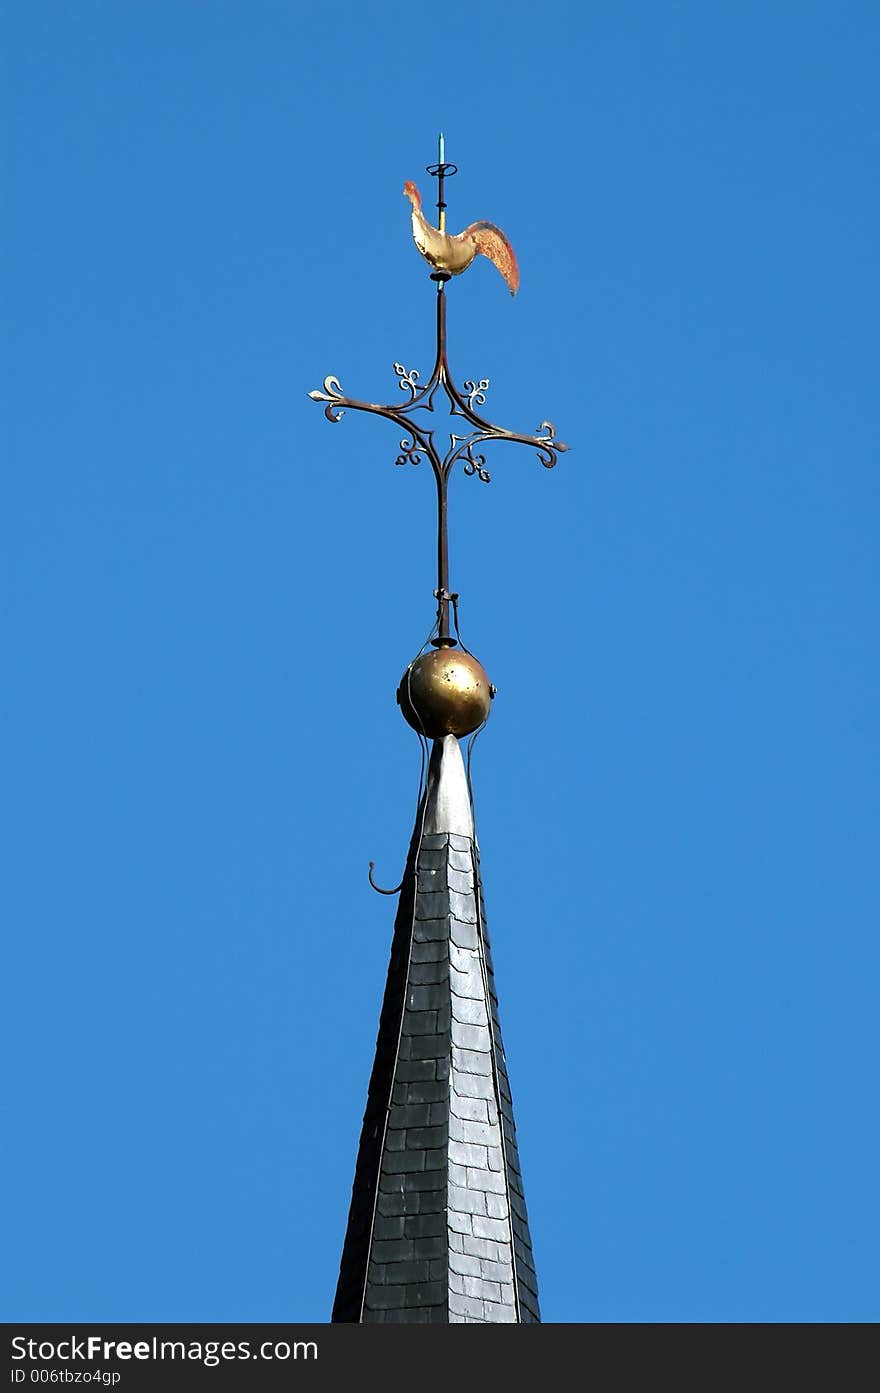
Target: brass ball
[{"x": 445, "y": 692}]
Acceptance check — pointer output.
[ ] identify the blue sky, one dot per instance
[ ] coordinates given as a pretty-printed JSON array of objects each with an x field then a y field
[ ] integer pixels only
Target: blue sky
[{"x": 211, "y": 594}]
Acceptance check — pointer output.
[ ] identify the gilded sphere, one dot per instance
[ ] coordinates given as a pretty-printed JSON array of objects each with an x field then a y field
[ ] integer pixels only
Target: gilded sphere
[{"x": 445, "y": 692}]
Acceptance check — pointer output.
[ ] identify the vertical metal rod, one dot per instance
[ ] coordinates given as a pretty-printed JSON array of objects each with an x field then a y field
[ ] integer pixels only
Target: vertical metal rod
[
  {"x": 441, "y": 163},
  {"x": 444, "y": 639}
]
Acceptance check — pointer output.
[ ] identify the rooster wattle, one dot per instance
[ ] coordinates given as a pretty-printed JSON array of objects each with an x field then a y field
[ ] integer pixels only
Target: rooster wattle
[{"x": 455, "y": 253}]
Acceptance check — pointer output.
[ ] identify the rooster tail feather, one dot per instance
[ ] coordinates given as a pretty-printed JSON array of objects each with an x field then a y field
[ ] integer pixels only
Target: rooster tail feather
[{"x": 491, "y": 242}]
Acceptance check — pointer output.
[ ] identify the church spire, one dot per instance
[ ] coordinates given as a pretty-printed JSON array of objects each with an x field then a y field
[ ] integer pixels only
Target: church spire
[{"x": 437, "y": 1229}]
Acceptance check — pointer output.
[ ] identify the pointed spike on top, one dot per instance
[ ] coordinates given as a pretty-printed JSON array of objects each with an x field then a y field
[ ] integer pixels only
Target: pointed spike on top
[{"x": 441, "y": 206}]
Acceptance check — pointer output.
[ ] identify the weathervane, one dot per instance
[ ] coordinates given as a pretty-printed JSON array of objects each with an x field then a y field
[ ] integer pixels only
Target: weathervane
[
  {"x": 446, "y": 692},
  {"x": 437, "y": 1225}
]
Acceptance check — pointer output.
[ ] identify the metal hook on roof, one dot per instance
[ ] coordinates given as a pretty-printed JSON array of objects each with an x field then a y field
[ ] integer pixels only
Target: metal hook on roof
[{"x": 378, "y": 888}]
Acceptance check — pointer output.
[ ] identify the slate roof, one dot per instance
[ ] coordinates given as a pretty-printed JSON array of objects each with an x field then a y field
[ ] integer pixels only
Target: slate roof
[{"x": 437, "y": 1230}]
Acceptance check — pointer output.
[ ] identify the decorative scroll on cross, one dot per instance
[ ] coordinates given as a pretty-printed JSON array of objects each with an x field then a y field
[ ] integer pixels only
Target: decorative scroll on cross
[
  {"x": 419, "y": 441},
  {"x": 419, "y": 438}
]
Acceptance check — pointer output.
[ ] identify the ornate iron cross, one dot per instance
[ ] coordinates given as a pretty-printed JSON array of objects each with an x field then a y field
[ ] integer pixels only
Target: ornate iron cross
[{"x": 418, "y": 441}]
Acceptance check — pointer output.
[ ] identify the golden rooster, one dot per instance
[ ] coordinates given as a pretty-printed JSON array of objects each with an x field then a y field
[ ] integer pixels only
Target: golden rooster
[{"x": 455, "y": 253}]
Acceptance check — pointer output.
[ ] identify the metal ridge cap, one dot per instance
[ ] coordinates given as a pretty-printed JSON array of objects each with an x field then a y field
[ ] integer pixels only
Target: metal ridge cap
[{"x": 447, "y": 806}]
